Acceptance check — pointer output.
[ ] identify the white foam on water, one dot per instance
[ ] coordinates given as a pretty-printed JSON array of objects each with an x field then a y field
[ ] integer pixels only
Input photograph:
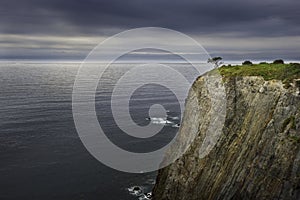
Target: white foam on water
[
  {"x": 139, "y": 192},
  {"x": 176, "y": 125},
  {"x": 158, "y": 120},
  {"x": 136, "y": 190}
]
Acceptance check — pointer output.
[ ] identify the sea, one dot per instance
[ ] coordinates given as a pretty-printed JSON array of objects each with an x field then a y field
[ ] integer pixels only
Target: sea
[{"x": 41, "y": 154}]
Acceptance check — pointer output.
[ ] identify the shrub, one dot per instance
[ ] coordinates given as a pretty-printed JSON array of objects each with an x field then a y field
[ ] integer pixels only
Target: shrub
[
  {"x": 295, "y": 64},
  {"x": 247, "y": 62},
  {"x": 279, "y": 61},
  {"x": 263, "y": 63}
]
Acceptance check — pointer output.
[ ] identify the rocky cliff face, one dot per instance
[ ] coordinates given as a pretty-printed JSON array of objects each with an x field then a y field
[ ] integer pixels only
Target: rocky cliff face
[{"x": 255, "y": 154}]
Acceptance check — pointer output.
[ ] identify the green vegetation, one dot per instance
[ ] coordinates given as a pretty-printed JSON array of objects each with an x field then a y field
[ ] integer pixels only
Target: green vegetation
[
  {"x": 279, "y": 61},
  {"x": 247, "y": 62},
  {"x": 285, "y": 72}
]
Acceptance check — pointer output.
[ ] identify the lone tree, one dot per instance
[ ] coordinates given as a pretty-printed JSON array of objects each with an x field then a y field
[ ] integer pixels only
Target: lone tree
[
  {"x": 247, "y": 62},
  {"x": 216, "y": 61}
]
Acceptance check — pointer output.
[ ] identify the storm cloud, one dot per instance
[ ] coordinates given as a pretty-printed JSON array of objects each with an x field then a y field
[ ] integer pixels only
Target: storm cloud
[{"x": 72, "y": 28}]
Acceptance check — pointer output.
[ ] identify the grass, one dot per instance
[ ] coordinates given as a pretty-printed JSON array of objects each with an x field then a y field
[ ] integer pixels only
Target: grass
[{"x": 285, "y": 72}]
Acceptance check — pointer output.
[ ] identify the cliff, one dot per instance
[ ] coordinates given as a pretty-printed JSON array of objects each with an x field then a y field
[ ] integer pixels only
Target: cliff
[{"x": 257, "y": 153}]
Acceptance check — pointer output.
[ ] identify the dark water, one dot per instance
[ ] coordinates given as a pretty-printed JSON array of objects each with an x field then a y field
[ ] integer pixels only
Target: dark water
[{"x": 41, "y": 155}]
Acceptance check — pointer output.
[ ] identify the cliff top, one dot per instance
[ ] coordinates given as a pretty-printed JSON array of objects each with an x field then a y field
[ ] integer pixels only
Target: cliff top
[{"x": 284, "y": 72}]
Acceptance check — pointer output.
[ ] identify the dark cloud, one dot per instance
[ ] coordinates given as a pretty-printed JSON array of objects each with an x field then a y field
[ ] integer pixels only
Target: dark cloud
[
  {"x": 73, "y": 18},
  {"x": 269, "y": 17}
]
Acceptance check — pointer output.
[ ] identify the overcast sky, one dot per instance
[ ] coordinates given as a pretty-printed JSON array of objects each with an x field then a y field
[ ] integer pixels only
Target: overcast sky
[{"x": 68, "y": 30}]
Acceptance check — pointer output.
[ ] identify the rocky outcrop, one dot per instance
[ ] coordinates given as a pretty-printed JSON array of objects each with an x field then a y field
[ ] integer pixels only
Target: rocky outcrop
[{"x": 256, "y": 154}]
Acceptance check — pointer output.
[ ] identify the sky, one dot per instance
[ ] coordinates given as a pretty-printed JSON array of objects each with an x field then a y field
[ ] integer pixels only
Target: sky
[{"x": 69, "y": 30}]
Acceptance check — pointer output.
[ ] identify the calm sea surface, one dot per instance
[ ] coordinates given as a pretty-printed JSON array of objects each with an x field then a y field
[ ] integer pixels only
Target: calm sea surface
[{"x": 41, "y": 155}]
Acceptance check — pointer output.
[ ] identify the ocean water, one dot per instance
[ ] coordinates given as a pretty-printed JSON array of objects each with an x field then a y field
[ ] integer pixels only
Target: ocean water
[{"x": 41, "y": 155}]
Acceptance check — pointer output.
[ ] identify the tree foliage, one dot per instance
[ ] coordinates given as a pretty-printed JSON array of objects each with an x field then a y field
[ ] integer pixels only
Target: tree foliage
[
  {"x": 247, "y": 62},
  {"x": 216, "y": 61},
  {"x": 279, "y": 61}
]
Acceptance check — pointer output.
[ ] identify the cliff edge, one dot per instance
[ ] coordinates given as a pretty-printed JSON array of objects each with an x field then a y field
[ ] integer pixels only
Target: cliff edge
[{"x": 256, "y": 155}]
